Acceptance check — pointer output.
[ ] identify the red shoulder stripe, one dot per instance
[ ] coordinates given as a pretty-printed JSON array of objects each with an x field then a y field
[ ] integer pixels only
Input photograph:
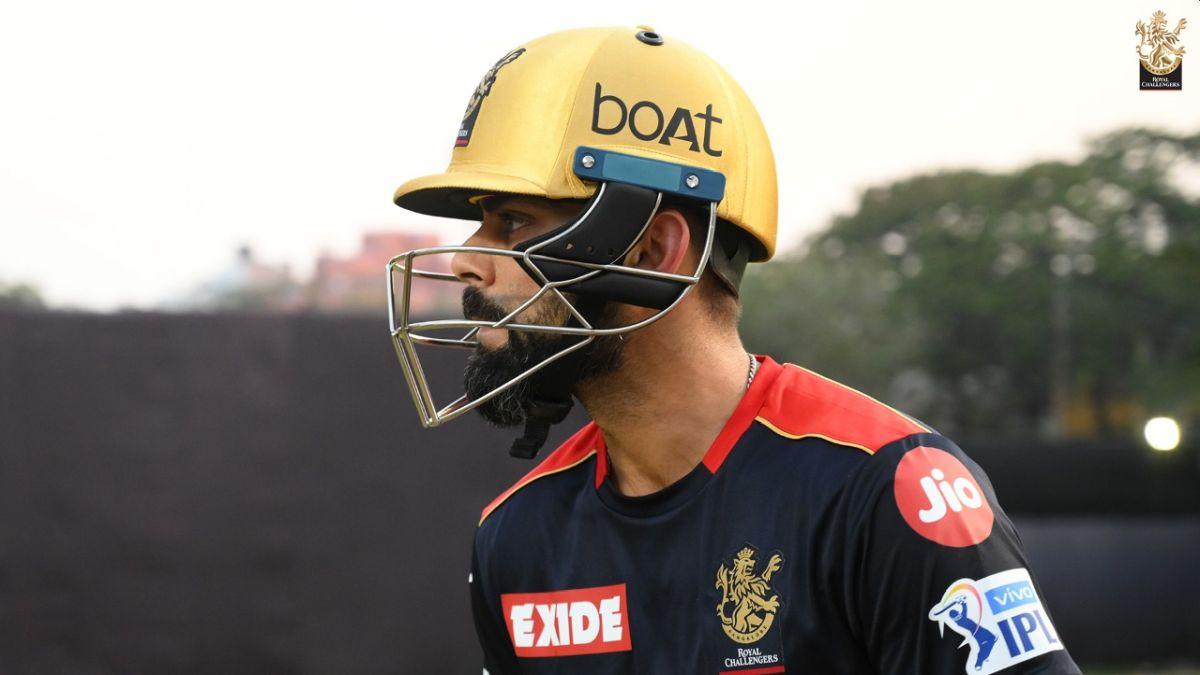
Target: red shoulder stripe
[
  {"x": 572, "y": 452},
  {"x": 805, "y": 403},
  {"x": 769, "y": 371}
]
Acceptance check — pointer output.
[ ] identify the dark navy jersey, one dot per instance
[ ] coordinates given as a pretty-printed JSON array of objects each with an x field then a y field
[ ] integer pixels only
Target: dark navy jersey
[{"x": 823, "y": 533}]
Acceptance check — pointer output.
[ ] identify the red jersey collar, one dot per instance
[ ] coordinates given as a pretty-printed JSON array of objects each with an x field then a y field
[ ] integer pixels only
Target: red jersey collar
[{"x": 741, "y": 419}]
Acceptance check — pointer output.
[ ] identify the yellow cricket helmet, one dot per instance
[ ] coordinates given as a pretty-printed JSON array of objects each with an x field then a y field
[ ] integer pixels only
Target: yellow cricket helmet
[
  {"x": 624, "y": 118},
  {"x": 621, "y": 89}
]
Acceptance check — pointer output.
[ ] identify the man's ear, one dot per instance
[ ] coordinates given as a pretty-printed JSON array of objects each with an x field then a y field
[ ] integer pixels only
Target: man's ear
[{"x": 664, "y": 246}]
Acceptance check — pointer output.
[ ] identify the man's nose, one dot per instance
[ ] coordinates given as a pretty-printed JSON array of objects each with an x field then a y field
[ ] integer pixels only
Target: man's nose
[{"x": 477, "y": 269}]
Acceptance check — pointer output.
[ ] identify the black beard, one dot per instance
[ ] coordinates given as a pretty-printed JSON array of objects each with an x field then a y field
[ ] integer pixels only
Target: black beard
[{"x": 488, "y": 369}]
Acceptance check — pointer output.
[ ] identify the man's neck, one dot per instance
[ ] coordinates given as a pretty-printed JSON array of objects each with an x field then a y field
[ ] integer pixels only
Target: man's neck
[{"x": 666, "y": 405}]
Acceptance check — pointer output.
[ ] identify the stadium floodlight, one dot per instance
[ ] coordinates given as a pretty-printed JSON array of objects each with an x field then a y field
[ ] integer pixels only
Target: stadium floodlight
[{"x": 1162, "y": 433}]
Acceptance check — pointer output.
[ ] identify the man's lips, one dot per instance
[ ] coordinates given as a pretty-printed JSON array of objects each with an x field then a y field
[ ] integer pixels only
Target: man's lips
[
  {"x": 491, "y": 338},
  {"x": 484, "y": 332}
]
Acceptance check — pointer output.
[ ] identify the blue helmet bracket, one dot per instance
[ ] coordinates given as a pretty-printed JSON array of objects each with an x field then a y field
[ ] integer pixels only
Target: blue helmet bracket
[
  {"x": 630, "y": 193},
  {"x": 595, "y": 164}
]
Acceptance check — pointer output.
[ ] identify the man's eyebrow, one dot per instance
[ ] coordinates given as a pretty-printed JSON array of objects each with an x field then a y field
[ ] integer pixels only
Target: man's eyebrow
[{"x": 503, "y": 204}]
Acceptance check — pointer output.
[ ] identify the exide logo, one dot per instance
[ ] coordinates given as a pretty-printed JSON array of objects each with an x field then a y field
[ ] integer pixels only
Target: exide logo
[
  {"x": 568, "y": 622},
  {"x": 940, "y": 499},
  {"x": 647, "y": 122}
]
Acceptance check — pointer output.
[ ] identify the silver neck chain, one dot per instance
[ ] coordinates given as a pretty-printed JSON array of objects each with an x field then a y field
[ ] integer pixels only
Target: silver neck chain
[{"x": 753, "y": 369}]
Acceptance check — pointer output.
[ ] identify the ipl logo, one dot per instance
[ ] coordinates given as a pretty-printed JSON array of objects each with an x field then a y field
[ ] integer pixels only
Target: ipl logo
[
  {"x": 1000, "y": 617},
  {"x": 962, "y": 610}
]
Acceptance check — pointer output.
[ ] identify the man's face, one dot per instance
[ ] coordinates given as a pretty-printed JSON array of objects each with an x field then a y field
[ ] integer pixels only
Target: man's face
[
  {"x": 496, "y": 285},
  {"x": 501, "y": 282}
]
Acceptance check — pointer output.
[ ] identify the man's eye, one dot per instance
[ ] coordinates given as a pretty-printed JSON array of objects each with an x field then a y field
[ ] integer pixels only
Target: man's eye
[{"x": 512, "y": 221}]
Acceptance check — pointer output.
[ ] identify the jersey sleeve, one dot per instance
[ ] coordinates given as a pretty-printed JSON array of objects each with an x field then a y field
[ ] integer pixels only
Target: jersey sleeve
[
  {"x": 498, "y": 656},
  {"x": 934, "y": 577}
]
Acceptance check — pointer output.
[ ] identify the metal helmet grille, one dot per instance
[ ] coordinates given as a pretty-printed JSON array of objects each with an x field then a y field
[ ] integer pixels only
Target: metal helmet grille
[{"x": 545, "y": 259}]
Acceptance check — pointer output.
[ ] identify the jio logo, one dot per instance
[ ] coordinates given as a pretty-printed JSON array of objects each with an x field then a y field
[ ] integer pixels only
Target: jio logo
[
  {"x": 940, "y": 499},
  {"x": 942, "y": 495}
]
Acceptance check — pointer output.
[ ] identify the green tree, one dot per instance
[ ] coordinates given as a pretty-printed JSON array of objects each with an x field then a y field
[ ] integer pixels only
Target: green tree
[
  {"x": 21, "y": 297},
  {"x": 991, "y": 301}
]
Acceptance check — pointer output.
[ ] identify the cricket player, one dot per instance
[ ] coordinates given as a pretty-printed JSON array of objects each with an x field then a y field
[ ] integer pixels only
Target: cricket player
[{"x": 721, "y": 512}]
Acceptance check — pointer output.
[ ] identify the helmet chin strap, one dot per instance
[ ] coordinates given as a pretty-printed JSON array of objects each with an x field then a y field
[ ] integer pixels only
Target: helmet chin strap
[{"x": 550, "y": 398}]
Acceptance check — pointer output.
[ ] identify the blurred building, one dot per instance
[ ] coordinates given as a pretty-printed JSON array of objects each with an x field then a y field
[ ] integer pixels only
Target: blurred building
[
  {"x": 357, "y": 283},
  {"x": 346, "y": 285},
  {"x": 247, "y": 284}
]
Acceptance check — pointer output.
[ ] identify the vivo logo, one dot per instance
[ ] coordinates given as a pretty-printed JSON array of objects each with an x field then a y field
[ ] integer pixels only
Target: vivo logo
[{"x": 1009, "y": 596}]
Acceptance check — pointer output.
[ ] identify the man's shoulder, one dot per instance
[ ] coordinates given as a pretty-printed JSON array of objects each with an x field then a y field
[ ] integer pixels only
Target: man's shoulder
[
  {"x": 804, "y": 404},
  {"x": 859, "y": 446},
  {"x": 570, "y": 457}
]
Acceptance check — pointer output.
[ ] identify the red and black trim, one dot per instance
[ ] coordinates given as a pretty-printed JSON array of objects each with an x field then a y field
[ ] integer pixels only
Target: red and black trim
[
  {"x": 791, "y": 401},
  {"x": 806, "y": 404},
  {"x": 741, "y": 419},
  {"x": 573, "y": 452}
]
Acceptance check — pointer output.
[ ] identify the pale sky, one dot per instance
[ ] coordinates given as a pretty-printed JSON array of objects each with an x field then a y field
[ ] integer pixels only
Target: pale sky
[{"x": 142, "y": 142}]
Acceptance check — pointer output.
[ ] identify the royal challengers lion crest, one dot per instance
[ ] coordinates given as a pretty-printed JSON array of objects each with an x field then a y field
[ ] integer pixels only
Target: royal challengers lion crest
[
  {"x": 481, "y": 92},
  {"x": 1160, "y": 54},
  {"x": 748, "y": 600}
]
